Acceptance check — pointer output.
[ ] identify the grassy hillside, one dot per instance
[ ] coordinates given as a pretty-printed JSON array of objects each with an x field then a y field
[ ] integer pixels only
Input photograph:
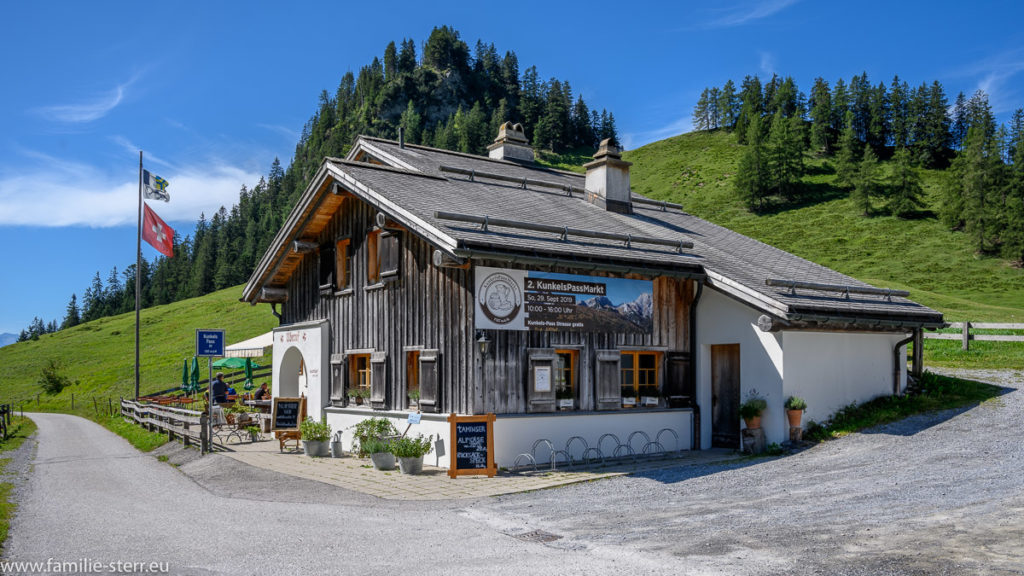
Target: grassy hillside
[
  {"x": 101, "y": 354},
  {"x": 938, "y": 266}
]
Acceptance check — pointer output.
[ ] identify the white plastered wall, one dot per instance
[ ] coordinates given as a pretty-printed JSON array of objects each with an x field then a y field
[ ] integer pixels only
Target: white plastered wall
[
  {"x": 833, "y": 369},
  {"x": 722, "y": 320},
  {"x": 309, "y": 341}
]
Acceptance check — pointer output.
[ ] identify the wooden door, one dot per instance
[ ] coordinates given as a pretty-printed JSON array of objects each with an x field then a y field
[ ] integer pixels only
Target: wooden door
[{"x": 725, "y": 395}]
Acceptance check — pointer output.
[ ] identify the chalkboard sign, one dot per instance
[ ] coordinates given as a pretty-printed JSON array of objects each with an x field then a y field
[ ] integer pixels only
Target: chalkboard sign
[
  {"x": 472, "y": 439},
  {"x": 288, "y": 413}
]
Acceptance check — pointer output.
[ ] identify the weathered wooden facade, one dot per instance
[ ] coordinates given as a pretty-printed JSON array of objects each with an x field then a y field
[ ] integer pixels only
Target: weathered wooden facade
[{"x": 384, "y": 253}]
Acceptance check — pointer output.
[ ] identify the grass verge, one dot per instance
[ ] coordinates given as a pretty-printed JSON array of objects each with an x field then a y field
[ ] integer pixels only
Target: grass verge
[
  {"x": 20, "y": 430},
  {"x": 138, "y": 436},
  {"x": 934, "y": 393}
]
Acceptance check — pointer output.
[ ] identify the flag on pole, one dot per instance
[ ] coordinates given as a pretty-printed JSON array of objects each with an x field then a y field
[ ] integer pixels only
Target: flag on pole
[
  {"x": 157, "y": 233},
  {"x": 155, "y": 187}
]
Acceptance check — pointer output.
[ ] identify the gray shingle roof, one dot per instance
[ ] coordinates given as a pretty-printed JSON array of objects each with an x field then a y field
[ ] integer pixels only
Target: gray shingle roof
[{"x": 423, "y": 189}]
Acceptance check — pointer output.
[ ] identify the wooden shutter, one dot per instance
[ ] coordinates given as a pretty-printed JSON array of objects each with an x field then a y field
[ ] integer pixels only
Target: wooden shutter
[
  {"x": 378, "y": 380},
  {"x": 430, "y": 381},
  {"x": 339, "y": 377},
  {"x": 389, "y": 255},
  {"x": 607, "y": 380},
  {"x": 541, "y": 360},
  {"x": 677, "y": 389}
]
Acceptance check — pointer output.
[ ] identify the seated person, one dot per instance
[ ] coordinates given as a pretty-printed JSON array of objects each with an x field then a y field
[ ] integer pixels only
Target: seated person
[
  {"x": 220, "y": 389},
  {"x": 262, "y": 393},
  {"x": 231, "y": 391}
]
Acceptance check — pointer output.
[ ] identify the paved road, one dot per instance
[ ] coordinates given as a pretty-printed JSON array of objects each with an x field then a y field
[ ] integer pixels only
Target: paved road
[
  {"x": 934, "y": 494},
  {"x": 91, "y": 495}
]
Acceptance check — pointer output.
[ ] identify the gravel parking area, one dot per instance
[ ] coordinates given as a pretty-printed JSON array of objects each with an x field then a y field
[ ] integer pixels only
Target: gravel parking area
[{"x": 934, "y": 494}]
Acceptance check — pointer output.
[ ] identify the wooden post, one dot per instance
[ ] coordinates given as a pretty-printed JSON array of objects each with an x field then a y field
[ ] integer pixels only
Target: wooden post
[
  {"x": 967, "y": 336},
  {"x": 917, "y": 363},
  {"x": 204, "y": 433}
]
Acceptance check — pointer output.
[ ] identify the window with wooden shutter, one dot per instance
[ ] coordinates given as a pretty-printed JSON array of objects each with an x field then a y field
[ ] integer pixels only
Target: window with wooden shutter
[
  {"x": 607, "y": 379},
  {"x": 430, "y": 380},
  {"x": 327, "y": 266},
  {"x": 342, "y": 265},
  {"x": 338, "y": 379},
  {"x": 540, "y": 385},
  {"x": 373, "y": 257},
  {"x": 678, "y": 390},
  {"x": 378, "y": 379},
  {"x": 389, "y": 255}
]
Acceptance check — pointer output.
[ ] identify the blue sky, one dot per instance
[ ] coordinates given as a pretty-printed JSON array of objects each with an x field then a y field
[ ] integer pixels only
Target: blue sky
[{"x": 213, "y": 91}]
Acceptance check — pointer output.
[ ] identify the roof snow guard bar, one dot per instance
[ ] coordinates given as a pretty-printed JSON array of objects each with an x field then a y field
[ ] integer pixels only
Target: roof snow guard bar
[
  {"x": 563, "y": 231},
  {"x": 846, "y": 290},
  {"x": 567, "y": 188}
]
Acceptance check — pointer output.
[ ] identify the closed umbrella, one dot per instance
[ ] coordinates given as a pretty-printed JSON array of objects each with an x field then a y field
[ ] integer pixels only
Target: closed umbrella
[
  {"x": 184, "y": 376},
  {"x": 248, "y": 373},
  {"x": 195, "y": 374}
]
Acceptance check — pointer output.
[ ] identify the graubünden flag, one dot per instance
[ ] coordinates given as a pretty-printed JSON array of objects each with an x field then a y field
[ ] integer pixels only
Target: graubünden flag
[{"x": 157, "y": 232}]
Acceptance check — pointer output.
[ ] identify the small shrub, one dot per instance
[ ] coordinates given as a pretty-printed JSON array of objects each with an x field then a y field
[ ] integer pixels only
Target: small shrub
[
  {"x": 371, "y": 428},
  {"x": 374, "y": 446},
  {"x": 412, "y": 447},
  {"x": 52, "y": 380},
  {"x": 314, "y": 431},
  {"x": 796, "y": 403},
  {"x": 753, "y": 408}
]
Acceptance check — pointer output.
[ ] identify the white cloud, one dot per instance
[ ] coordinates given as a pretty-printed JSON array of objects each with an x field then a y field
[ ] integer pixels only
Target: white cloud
[
  {"x": 87, "y": 111},
  {"x": 288, "y": 134},
  {"x": 767, "y": 63},
  {"x": 55, "y": 192},
  {"x": 634, "y": 140},
  {"x": 748, "y": 12},
  {"x": 992, "y": 75}
]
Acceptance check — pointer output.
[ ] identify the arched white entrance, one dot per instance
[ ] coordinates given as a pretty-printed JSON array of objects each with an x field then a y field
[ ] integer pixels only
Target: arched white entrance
[
  {"x": 302, "y": 348},
  {"x": 288, "y": 373}
]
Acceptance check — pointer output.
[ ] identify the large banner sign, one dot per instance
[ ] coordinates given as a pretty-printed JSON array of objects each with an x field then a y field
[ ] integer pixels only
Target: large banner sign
[{"x": 546, "y": 301}]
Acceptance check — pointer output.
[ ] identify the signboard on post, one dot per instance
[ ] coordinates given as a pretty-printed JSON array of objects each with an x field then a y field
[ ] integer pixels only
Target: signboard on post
[
  {"x": 209, "y": 343},
  {"x": 288, "y": 413},
  {"x": 472, "y": 440},
  {"x": 509, "y": 299}
]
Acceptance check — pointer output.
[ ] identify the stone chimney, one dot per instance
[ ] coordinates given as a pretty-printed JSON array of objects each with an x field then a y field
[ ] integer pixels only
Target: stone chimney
[
  {"x": 607, "y": 181},
  {"x": 511, "y": 144}
]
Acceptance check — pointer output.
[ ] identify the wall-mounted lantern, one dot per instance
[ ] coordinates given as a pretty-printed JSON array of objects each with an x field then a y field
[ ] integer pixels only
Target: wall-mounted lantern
[{"x": 483, "y": 343}]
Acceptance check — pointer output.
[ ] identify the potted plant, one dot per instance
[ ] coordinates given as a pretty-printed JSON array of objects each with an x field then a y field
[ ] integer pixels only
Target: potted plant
[
  {"x": 315, "y": 437},
  {"x": 358, "y": 395},
  {"x": 410, "y": 452},
  {"x": 795, "y": 407},
  {"x": 380, "y": 453},
  {"x": 752, "y": 409},
  {"x": 414, "y": 399},
  {"x": 337, "y": 450},
  {"x": 371, "y": 428}
]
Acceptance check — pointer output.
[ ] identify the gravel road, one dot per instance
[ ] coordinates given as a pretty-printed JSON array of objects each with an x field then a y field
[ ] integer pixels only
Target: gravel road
[{"x": 934, "y": 494}]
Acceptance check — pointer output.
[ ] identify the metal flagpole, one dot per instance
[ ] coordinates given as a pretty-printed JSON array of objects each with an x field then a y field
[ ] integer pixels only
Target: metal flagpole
[{"x": 138, "y": 279}]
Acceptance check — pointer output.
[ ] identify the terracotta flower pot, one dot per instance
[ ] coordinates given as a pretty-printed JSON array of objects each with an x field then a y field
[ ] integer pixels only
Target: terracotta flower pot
[
  {"x": 794, "y": 417},
  {"x": 752, "y": 423}
]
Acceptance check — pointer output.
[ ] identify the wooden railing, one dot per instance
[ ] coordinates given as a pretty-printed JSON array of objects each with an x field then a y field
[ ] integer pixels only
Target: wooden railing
[
  {"x": 189, "y": 425},
  {"x": 965, "y": 335}
]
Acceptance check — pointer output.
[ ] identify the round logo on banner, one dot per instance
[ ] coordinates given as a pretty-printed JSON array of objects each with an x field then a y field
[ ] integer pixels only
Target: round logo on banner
[{"x": 500, "y": 298}]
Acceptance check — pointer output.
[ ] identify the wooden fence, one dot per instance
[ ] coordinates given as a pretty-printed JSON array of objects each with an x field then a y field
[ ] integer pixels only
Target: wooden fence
[
  {"x": 189, "y": 425},
  {"x": 965, "y": 335},
  {"x": 230, "y": 379}
]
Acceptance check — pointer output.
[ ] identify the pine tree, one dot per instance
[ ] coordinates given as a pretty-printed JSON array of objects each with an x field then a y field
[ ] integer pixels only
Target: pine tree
[
  {"x": 878, "y": 127},
  {"x": 784, "y": 151},
  {"x": 407, "y": 57},
  {"x": 752, "y": 175},
  {"x": 972, "y": 188},
  {"x": 701, "y": 112},
  {"x": 849, "y": 152},
  {"x": 71, "y": 316},
  {"x": 821, "y": 117},
  {"x": 412, "y": 123},
  {"x": 958, "y": 126},
  {"x": 866, "y": 185},
  {"x": 752, "y": 105},
  {"x": 390, "y": 62},
  {"x": 1013, "y": 232},
  {"x": 728, "y": 106},
  {"x": 899, "y": 120},
  {"x": 904, "y": 186}
]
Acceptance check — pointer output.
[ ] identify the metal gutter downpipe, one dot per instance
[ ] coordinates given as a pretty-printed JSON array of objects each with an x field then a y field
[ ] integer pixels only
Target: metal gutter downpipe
[
  {"x": 896, "y": 359},
  {"x": 695, "y": 433}
]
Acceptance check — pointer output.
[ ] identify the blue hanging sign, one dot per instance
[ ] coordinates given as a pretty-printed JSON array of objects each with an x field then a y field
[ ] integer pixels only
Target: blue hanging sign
[{"x": 209, "y": 343}]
